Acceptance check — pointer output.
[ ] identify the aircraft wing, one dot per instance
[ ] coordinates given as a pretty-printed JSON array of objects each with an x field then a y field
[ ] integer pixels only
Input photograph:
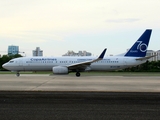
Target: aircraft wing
[
  {"x": 145, "y": 58},
  {"x": 85, "y": 64}
]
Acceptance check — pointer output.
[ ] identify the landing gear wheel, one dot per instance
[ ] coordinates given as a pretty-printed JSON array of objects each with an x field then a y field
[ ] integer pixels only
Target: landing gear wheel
[
  {"x": 18, "y": 74},
  {"x": 78, "y": 74}
]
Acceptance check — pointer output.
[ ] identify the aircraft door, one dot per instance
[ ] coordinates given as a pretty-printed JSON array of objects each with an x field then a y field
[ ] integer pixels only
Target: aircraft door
[
  {"x": 125, "y": 61},
  {"x": 20, "y": 63}
]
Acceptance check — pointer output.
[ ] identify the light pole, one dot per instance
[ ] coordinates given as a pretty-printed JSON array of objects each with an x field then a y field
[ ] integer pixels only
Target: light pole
[{"x": 23, "y": 53}]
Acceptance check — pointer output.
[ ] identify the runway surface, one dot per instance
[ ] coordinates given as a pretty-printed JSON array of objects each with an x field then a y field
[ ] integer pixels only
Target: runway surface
[
  {"x": 40, "y": 97},
  {"x": 30, "y": 82}
]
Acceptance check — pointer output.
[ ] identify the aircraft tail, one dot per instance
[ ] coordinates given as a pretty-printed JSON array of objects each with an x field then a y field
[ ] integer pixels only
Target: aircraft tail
[{"x": 139, "y": 48}]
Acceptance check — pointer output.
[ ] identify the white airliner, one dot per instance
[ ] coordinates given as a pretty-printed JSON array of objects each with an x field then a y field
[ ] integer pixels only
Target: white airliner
[{"x": 64, "y": 65}]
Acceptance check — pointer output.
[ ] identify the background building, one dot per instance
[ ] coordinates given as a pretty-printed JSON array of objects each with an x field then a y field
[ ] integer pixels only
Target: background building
[
  {"x": 80, "y": 53},
  {"x": 12, "y": 50},
  {"x": 158, "y": 55},
  {"x": 151, "y": 52},
  {"x": 37, "y": 52}
]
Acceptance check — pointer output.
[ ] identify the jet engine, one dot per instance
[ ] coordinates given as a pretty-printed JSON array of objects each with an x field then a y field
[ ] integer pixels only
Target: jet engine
[{"x": 60, "y": 70}]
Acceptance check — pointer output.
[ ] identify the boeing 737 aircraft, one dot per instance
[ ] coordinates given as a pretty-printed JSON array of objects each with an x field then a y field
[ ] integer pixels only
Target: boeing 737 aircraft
[{"x": 64, "y": 65}]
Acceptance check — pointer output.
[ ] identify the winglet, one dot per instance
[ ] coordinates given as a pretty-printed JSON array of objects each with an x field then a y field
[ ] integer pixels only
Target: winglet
[{"x": 102, "y": 54}]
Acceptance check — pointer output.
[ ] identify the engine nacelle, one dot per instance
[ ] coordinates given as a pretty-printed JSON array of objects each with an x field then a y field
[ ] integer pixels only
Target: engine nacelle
[{"x": 60, "y": 70}]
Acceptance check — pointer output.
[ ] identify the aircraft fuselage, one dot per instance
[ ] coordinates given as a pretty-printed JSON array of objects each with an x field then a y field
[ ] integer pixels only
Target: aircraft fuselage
[{"x": 47, "y": 63}]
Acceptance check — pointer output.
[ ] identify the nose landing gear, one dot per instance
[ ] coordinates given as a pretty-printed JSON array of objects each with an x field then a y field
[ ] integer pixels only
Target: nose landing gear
[{"x": 17, "y": 74}]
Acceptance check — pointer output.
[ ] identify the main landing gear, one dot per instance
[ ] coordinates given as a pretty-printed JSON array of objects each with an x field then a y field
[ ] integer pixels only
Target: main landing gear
[
  {"x": 17, "y": 74},
  {"x": 78, "y": 74}
]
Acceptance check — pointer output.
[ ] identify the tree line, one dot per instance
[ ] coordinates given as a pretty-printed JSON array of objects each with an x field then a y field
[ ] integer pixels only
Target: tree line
[
  {"x": 148, "y": 66},
  {"x": 153, "y": 66}
]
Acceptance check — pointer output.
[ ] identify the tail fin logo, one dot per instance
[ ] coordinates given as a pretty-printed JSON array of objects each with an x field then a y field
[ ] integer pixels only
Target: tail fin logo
[{"x": 141, "y": 46}]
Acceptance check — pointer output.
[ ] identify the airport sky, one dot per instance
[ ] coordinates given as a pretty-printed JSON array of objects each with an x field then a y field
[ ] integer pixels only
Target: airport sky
[{"x": 57, "y": 26}]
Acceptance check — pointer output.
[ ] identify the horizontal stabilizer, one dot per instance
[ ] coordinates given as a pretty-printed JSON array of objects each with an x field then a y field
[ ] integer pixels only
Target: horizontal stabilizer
[{"x": 146, "y": 58}]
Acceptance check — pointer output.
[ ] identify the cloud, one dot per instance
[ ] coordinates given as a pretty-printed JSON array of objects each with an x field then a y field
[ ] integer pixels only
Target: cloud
[{"x": 128, "y": 20}]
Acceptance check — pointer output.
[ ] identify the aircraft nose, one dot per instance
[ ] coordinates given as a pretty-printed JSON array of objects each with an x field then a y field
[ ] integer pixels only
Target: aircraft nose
[{"x": 4, "y": 66}]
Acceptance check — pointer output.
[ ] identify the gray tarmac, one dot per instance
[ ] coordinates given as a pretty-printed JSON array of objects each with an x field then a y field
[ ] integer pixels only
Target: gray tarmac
[
  {"x": 39, "y": 82},
  {"x": 39, "y": 97}
]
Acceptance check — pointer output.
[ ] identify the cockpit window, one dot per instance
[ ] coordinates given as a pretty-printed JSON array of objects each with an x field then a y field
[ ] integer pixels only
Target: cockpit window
[{"x": 11, "y": 61}]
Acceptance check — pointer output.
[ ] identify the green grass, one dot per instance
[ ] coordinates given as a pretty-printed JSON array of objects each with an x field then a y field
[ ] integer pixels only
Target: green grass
[
  {"x": 8, "y": 72},
  {"x": 121, "y": 73},
  {"x": 94, "y": 73}
]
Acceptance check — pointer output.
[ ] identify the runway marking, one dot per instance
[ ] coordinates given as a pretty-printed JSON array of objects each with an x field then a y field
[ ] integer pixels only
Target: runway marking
[{"x": 40, "y": 85}]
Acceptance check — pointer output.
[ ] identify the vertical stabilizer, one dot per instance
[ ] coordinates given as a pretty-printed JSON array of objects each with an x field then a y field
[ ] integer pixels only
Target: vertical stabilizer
[{"x": 139, "y": 48}]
